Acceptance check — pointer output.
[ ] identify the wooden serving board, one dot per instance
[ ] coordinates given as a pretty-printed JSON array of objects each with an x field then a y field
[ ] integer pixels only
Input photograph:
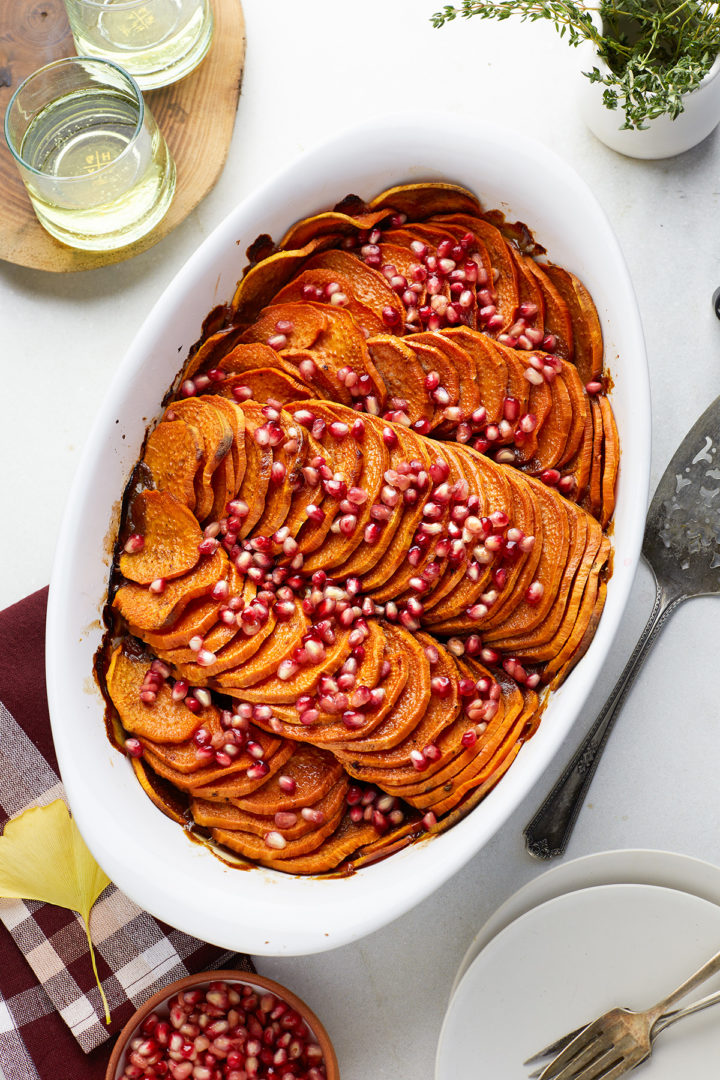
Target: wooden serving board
[{"x": 196, "y": 116}]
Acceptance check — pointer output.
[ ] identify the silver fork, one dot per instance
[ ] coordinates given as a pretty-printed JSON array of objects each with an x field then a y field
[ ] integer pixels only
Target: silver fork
[
  {"x": 664, "y": 1022},
  {"x": 620, "y": 1039}
]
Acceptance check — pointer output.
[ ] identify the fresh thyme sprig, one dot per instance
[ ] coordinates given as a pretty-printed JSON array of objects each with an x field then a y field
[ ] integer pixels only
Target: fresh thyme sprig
[{"x": 656, "y": 50}]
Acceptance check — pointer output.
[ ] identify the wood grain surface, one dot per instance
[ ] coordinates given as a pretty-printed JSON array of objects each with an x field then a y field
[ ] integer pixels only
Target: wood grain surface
[{"x": 196, "y": 116}]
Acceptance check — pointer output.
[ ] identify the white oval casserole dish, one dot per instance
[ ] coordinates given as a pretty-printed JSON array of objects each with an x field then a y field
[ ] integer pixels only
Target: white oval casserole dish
[{"x": 146, "y": 854}]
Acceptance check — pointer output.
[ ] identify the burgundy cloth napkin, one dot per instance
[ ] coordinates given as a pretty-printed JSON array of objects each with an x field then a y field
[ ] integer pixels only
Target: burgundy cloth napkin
[{"x": 51, "y": 1017}]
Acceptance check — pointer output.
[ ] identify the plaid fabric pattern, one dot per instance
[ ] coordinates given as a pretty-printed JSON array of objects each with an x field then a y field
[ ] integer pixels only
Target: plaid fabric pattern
[{"x": 51, "y": 1015}]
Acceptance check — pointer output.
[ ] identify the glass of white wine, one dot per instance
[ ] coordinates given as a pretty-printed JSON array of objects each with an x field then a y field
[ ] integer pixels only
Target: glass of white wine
[
  {"x": 93, "y": 160},
  {"x": 157, "y": 41}
]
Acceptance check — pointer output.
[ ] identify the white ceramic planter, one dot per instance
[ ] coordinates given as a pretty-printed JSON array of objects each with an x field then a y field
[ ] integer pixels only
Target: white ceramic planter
[{"x": 662, "y": 137}]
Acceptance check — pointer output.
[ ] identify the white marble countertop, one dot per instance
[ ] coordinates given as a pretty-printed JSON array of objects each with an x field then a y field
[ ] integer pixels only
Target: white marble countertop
[{"x": 311, "y": 69}]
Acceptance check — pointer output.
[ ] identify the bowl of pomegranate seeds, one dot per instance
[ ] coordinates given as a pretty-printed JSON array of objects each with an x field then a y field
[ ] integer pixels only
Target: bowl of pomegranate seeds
[{"x": 223, "y": 1025}]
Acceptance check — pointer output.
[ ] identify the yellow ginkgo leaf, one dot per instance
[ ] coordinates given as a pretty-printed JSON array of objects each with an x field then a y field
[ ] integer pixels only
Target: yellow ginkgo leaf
[{"x": 44, "y": 857}]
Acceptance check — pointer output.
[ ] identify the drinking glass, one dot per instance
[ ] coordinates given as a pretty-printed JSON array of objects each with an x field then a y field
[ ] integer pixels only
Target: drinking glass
[
  {"x": 93, "y": 160},
  {"x": 157, "y": 41}
]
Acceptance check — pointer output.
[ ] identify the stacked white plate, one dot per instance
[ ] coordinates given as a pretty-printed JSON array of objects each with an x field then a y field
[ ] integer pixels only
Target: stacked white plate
[{"x": 616, "y": 928}]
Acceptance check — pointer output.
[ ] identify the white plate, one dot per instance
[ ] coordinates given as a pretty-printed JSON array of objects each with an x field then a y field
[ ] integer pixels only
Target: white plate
[
  {"x": 148, "y": 856},
  {"x": 569, "y": 960},
  {"x": 631, "y": 867}
]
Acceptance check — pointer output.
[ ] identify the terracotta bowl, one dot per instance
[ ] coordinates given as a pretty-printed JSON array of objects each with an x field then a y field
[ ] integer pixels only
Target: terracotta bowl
[{"x": 158, "y": 1003}]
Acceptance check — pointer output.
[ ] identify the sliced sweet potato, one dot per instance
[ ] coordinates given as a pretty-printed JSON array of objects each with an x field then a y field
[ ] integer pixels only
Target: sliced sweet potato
[
  {"x": 286, "y": 637},
  {"x": 569, "y": 662},
  {"x": 255, "y": 847},
  {"x": 531, "y": 310},
  {"x": 185, "y": 756},
  {"x": 267, "y": 384},
  {"x": 409, "y": 709},
  {"x": 227, "y": 815},
  {"x": 210, "y": 351},
  {"x": 422, "y": 791},
  {"x": 248, "y": 356},
  {"x": 328, "y": 726},
  {"x": 262, "y": 281},
  {"x": 489, "y": 370},
  {"x": 163, "y": 721},
  {"x": 402, "y": 374},
  {"x": 332, "y": 223},
  {"x": 468, "y": 398},
  {"x": 454, "y": 573},
  {"x": 579, "y": 466},
  {"x": 342, "y": 345},
  {"x": 197, "y": 619},
  {"x": 320, "y": 383},
  {"x": 217, "y": 436},
  {"x": 369, "y": 285},
  {"x": 378, "y": 560},
  {"x": 236, "y": 418},
  {"x": 587, "y": 333},
  {"x": 557, "y": 314},
  {"x": 480, "y": 772},
  {"x": 552, "y": 437},
  {"x": 548, "y": 638},
  {"x": 582, "y": 608},
  {"x": 289, "y": 456},
  {"x": 322, "y": 284},
  {"x": 433, "y": 360},
  {"x": 346, "y": 839},
  {"x": 213, "y": 777},
  {"x": 440, "y": 714},
  {"x": 555, "y": 553},
  {"x": 420, "y": 201},
  {"x": 171, "y": 536},
  {"x": 611, "y": 460},
  {"x": 338, "y": 547},
  {"x": 238, "y": 649},
  {"x": 470, "y": 800},
  {"x": 258, "y": 467},
  {"x": 286, "y": 691},
  {"x": 173, "y": 454},
  {"x": 594, "y": 496},
  {"x": 505, "y": 286},
  {"x": 159, "y": 611},
  {"x": 308, "y": 322},
  {"x": 315, "y": 772},
  {"x": 235, "y": 782},
  {"x": 342, "y": 456},
  {"x": 338, "y": 735}
]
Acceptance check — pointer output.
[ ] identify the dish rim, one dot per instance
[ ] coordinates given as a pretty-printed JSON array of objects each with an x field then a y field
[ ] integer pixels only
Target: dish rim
[{"x": 317, "y": 179}]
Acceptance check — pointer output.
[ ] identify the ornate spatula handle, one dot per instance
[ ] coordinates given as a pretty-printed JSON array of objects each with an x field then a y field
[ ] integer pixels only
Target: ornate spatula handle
[{"x": 548, "y": 833}]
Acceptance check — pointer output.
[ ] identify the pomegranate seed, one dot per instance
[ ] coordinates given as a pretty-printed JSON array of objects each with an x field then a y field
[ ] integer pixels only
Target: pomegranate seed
[
  {"x": 134, "y": 543},
  {"x": 534, "y": 593},
  {"x": 441, "y": 686},
  {"x": 418, "y": 760}
]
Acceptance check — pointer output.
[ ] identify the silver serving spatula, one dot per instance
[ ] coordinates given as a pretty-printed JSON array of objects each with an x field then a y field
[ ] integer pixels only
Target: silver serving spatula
[{"x": 682, "y": 547}]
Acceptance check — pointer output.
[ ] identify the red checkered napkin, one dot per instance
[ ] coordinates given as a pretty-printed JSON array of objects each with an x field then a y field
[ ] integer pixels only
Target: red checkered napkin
[{"x": 51, "y": 1015}]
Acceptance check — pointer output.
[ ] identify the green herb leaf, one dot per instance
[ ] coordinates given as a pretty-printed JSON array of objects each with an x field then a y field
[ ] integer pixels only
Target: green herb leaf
[{"x": 656, "y": 51}]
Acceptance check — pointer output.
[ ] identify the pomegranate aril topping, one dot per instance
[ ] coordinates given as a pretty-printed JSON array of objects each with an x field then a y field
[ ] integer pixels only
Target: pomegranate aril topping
[{"x": 134, "y": 543}]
